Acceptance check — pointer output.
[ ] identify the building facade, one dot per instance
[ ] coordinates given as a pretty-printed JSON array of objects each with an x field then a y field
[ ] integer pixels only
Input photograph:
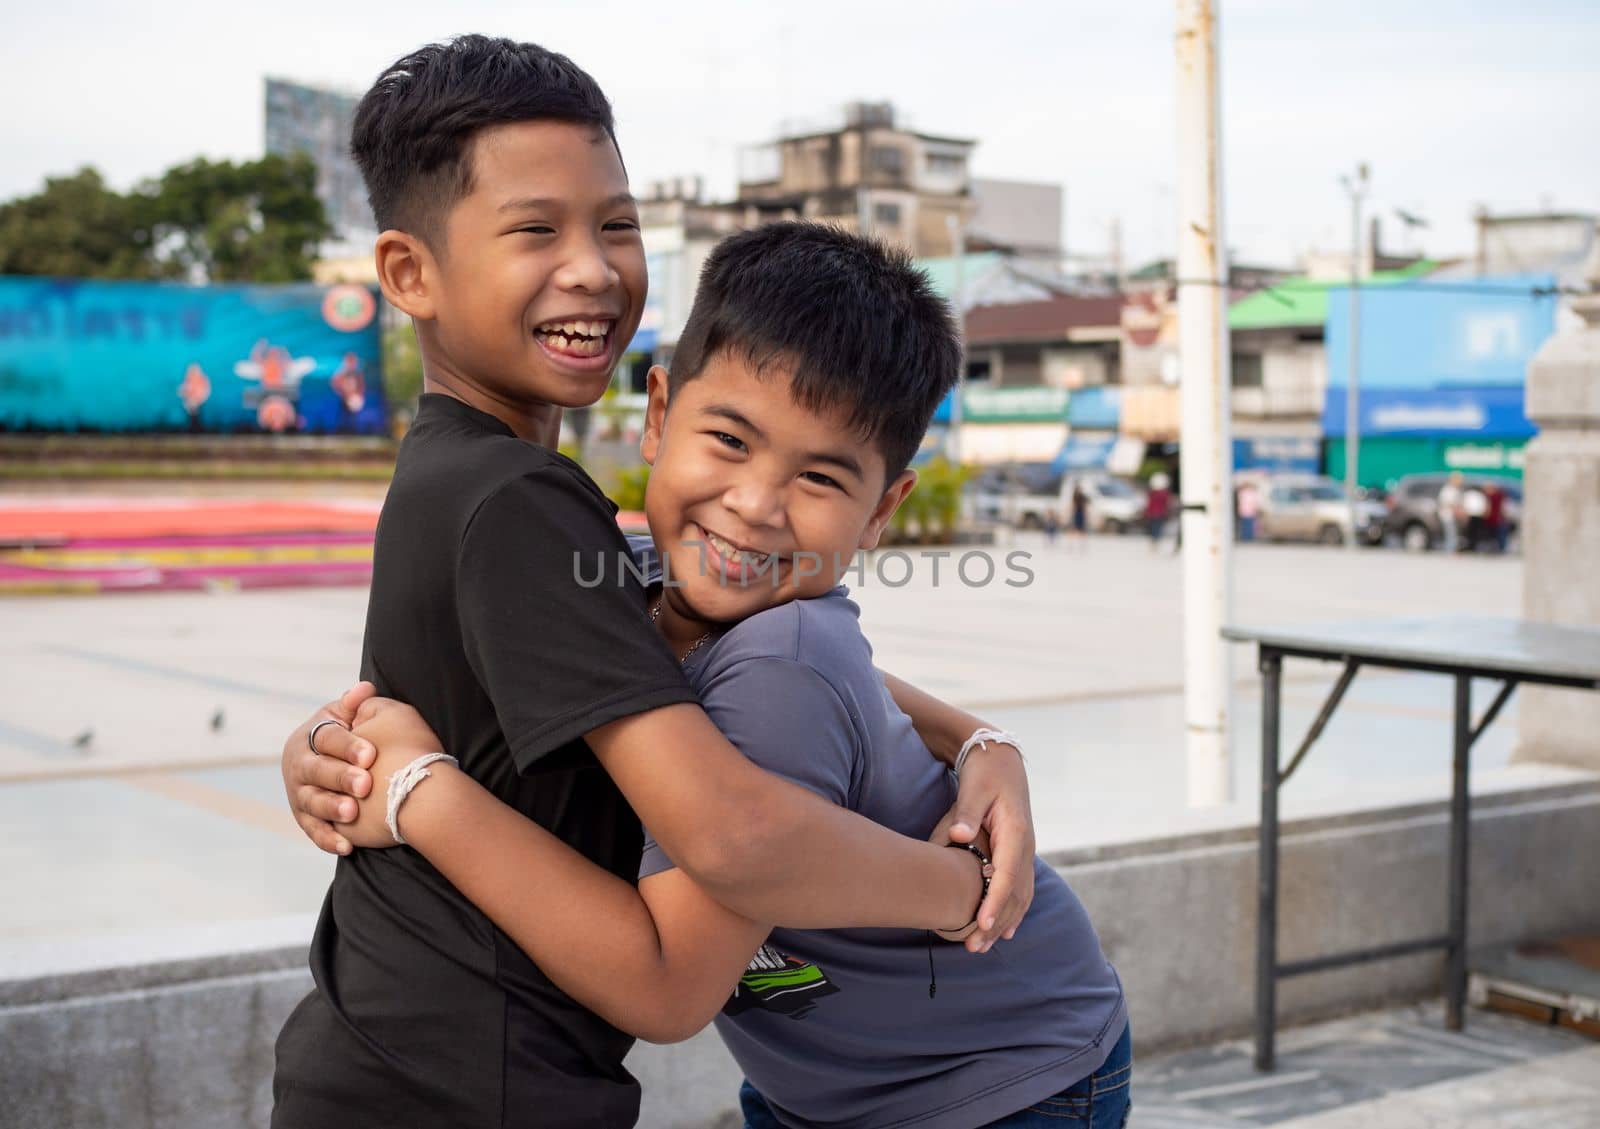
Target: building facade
[
  {"x": 869, "y": 175},
  {"x": 1021, "y": 219},
  {"x": 316, "y": 121}
]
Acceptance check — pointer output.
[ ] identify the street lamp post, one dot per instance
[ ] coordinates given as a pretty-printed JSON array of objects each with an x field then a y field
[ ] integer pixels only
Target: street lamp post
[
  {"x": 1356, "y": 186},
  {"x": 1206, "y": 452}
]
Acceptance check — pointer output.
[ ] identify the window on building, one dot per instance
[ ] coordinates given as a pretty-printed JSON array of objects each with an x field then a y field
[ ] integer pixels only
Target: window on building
[
  {"x": 978, "y": 370},
  {"x": 946, "y": 164},
  {"x": 887, "y": 158},
  {"x": 1247, "y": 370},
  {"x": 886, "y": 214}
]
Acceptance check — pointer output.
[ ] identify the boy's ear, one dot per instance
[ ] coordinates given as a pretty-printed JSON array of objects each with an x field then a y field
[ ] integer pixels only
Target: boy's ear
[
  {"x": 884, "y": 510},
  {"x": 655, "y": 415},
  {"x": 406, "y": 273}
]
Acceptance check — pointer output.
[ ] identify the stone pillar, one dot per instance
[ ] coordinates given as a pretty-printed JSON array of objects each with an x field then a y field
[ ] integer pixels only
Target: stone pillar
[{"x": 1561, "y": 526}]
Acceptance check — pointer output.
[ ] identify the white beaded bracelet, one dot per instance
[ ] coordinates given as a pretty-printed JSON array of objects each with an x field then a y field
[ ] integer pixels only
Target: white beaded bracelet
[
  {"x": 401, "y": 784},
  {"x": 980, "y": 740}
]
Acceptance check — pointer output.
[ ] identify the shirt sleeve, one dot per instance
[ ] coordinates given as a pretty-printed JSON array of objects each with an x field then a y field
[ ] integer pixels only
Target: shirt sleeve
[
  {"x": 788, "y": 720},
  {"x": 553, "y": 616}
]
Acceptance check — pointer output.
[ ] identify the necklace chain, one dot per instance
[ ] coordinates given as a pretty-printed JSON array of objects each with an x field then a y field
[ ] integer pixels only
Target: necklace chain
[{"x": 655, "y": 616}]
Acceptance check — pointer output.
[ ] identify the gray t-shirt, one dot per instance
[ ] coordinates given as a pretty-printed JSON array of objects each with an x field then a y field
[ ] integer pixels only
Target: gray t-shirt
[{"x": 836, "y": 1027}]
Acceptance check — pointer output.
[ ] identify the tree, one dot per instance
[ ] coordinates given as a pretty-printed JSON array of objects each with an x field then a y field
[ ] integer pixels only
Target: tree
[
  {"x": 258, "y": 221},
  {"x": 75, "y": 228},
  {"x": 206, "y": 221},
  {"x": 402, "y": 365}
]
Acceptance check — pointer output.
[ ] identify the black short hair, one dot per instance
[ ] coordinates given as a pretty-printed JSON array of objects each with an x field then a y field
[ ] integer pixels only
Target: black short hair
[
  {"x": 413, "y": 131},
  {"x": 853, "y": 322}
]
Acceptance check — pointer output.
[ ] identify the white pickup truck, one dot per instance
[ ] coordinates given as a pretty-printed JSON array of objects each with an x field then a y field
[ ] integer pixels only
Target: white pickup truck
[{"x": 1022, "y": 494}]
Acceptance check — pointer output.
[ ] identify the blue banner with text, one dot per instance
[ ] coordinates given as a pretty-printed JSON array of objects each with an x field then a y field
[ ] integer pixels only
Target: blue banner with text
[{"x": 81, "y": 355}]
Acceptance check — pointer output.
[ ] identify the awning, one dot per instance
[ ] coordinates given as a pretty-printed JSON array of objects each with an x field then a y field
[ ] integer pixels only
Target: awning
[
  {"x": 1084, "y": 451},
  {"x": 1096, "y": 408}
]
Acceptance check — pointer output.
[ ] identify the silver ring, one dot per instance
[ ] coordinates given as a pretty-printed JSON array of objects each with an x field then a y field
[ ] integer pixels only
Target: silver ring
[{"x": 311, "y": 738}]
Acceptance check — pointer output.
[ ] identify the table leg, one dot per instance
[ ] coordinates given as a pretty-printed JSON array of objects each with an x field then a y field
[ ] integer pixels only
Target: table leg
[
  {"x": 1455, "y": 984},
  {"x": 1267, "y": 862}
]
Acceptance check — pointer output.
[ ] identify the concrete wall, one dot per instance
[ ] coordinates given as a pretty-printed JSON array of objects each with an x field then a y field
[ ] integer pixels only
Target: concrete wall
[
  {"x": 1561, "y": 529},
  {"x": 188, "y": 1044}
]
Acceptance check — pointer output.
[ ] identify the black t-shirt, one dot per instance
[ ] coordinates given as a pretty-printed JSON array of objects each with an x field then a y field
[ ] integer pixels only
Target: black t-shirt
[{"x": 502, "y": 610}]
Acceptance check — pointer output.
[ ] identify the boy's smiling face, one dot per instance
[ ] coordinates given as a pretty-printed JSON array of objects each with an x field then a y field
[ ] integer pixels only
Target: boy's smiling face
[
  {"x": 753, "y": 499},
  {"x": 537, "y": 280}
]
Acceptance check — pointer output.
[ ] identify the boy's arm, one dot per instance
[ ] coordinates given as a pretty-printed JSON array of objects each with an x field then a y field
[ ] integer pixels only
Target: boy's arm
[
  {"x": 769, "y": 849},
  {"x": 657, "y": 961},
  {"x": 992, "y": 795},
  {"x": 845, "y": 879},
  {"x": 796, "y": 730},
  {"x": 943, "y": 728},
  {"x": 562, "y": 656}
]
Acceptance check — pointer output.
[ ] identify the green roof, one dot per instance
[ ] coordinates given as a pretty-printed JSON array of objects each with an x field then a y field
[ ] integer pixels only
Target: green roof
[
  {"x": 1304, "y": 301},
  {"x": 941, "y": 272}
]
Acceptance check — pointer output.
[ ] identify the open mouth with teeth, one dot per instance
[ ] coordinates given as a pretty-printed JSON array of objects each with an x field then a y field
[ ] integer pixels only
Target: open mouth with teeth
[
  {"x": 725, "y": 559},
  {"x": 575, "y": 338}
]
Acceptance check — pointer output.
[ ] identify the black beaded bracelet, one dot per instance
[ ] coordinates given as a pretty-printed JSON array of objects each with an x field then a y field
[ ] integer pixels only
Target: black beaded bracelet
[{"x": 983, "y": 870}]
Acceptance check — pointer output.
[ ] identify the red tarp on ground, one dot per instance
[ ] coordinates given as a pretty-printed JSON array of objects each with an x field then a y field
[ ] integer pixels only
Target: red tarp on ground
[{"x": 56, "y": 522}]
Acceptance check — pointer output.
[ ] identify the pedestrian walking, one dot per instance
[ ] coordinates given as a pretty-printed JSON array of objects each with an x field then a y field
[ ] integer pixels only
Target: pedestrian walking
[
  {"x": 1475, "y": 517},
  {"x": 1080, "y": 514},
  {"x": 1450, "y": 512},
  {"x": 1499, "y": 527},
  {"x": 1157, "y": 508},
  {"x": 1249, "y": 505}
]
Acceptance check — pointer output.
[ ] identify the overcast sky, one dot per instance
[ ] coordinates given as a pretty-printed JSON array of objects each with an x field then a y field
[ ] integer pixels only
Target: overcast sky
[{"x": 1454, "y": 104}]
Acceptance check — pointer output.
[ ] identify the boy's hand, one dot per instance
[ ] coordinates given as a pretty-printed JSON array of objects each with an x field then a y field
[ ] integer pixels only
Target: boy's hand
[
  {"x": 322, "y": 786},
  {"x": 399, "y": 736},
  {"x": 941, "y": 835},
  {"x": 993, "y": 798}
]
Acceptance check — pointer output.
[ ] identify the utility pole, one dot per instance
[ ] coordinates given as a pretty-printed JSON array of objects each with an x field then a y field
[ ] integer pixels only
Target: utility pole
[
  {"x": 1206, "y": 451},
  {"x": 1356, "y": 186},
  {"x": 958, "y": 300}
]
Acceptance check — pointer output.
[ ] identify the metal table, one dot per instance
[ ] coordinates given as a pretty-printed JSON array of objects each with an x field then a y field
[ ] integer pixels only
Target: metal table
[{"x": 1508, "y": 651}]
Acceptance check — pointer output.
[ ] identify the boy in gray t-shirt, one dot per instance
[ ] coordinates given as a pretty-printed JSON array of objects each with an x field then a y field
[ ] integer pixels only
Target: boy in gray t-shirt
[
  {"x": 836, "y": 1026},
  {"x": 801, "y": 386}
]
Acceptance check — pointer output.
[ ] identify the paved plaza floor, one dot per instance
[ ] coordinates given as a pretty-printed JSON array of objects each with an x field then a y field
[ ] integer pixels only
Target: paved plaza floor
[
  {"x": 144, "y": 818},
  {"x": 139, "y": 734},
  {"x": 1397, "y": 1069}
]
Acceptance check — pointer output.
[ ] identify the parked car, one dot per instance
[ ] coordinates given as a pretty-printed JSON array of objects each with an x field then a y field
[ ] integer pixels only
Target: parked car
[
  {"x": 1018, "y": 493},
  {"x": 1116, "y": 505},
  {"x": 1413, "y": 517},
  {"x": 1313, "y": 508}
]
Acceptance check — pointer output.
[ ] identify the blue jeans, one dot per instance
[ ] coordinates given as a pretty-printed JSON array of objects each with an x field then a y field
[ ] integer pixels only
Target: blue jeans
[{"x": 1100, "y": 1101}]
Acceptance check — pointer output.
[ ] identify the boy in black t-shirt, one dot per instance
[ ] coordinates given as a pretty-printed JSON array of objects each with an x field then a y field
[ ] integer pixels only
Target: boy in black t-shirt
[{"x": 510, "y": 238}]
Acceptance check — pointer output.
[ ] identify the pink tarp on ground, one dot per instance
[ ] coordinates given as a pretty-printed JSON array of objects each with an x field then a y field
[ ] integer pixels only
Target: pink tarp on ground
[{"x": 131, "y": 527}]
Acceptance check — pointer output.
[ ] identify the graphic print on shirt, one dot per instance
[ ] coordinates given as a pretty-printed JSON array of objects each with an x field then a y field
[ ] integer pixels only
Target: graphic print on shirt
[{"x": 775, "y": 982}]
